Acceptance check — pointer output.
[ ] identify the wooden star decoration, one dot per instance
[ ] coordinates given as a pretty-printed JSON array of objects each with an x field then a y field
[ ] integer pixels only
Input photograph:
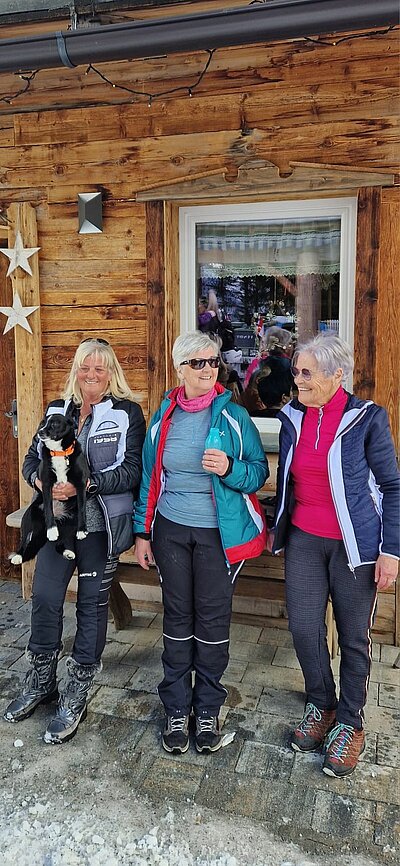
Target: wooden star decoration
[
  {"x": 18, "y": 255},
  {"x": 17, "y": 315}
]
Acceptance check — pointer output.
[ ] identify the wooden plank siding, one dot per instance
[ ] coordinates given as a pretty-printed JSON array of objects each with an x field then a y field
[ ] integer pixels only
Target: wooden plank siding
[
  {"x": 318, "y": 105},
  {"x": 94, "y": 285}
]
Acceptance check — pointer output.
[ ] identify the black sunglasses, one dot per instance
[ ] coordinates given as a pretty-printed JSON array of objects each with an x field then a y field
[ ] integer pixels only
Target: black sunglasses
[
  {"x": 95, "y": 340},
  {"x": 200, "y": 363}
]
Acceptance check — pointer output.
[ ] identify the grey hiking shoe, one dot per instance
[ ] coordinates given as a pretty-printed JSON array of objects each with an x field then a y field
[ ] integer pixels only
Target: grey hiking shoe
[
  {"x": 175, "y": 736},
  {"x": 208, "y": 737},
  {"x": 40, "y": 686}
]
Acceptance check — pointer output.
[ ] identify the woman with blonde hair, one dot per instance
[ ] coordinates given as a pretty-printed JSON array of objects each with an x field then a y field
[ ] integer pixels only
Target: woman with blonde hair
[{"x": 110, "y": 428}]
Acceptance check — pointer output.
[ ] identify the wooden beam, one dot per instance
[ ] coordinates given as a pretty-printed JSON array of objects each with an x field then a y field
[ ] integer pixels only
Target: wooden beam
[
  {"x": 155, "y": 303},
  {"x": 387, "y": 387},
  {"x": 387, "y": 391},
  {"x": 172, "y": 296},
  {"x": 28, "y": 352},
  {"x": 366, "y": 291}
]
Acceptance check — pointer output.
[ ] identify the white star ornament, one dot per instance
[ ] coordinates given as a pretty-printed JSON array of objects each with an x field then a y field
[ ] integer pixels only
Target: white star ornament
[
  {"x": 17, "y": 315},
  {"x": 18, "y": 255}
]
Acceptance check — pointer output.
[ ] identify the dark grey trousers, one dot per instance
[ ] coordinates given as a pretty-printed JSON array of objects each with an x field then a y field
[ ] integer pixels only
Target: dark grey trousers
[
  {"x": 197, "y": 589},
  {"x": 52, "y": 575},
  {"x": 314, "y": 569}
]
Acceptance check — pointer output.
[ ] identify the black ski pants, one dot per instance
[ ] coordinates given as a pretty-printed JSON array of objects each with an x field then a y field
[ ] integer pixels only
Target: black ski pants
[
  {"x": 51, "y": 578},
  {"x": 197, "y": 586},
  {"x": 314, "y": 569}
]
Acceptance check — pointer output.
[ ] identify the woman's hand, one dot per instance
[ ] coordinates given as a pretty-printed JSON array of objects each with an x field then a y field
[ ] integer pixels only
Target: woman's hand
[
  {"x": 386, "y": 569},
  {"x": 144, "y": 553},
  {"x": 63, "y": 491},
  {"x": 215, "y": 461}
]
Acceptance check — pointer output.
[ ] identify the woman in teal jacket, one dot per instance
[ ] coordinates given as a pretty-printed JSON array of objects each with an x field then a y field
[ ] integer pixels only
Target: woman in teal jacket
[{"x": 198, "y": 518}]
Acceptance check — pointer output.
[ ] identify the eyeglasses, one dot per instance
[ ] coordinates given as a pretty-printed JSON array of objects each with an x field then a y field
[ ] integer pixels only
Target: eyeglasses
[
  {"x": 200, "y": 363},
  {"x": 305, "y": 373},
  {"x": 95, "y": 340}
]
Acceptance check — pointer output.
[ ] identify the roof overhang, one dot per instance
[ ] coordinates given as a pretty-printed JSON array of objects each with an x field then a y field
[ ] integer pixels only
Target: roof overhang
[{"x": 270, "y": 21}]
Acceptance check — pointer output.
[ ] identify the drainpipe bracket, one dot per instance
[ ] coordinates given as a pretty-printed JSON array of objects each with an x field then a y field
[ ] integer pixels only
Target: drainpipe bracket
[{"x": 62, "y": 50}]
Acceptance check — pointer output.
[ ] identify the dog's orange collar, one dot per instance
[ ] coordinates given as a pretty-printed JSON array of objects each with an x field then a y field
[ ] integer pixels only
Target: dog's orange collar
[{"x": 65, "y": 453}]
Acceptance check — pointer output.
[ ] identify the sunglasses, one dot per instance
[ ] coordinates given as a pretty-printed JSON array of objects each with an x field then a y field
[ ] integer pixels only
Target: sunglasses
[
  {"x": 95, "y": 340},
  {"x": 200, "y": 363},
  {"x": 305, "y": 373}
]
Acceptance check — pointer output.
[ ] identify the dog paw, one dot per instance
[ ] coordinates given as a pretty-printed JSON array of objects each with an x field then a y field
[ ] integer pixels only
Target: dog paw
[
  {"x": 81, "y": 534},
  {"x": 69, "y": 554},
  {"x": 52, "y": 533},
  {"x": 16, "y": 559}
]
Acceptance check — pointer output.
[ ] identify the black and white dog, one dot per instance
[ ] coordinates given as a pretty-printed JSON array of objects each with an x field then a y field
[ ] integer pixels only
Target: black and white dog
[{"x": 62, "y": 460}]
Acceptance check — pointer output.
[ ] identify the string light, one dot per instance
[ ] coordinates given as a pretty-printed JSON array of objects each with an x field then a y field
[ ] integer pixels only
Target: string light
[
  {"x": 184, "y": 88},
  {"x": 9, "y": 98},
  {"x": 319, "y": 41},
  {"x": 152, "y": 96}
]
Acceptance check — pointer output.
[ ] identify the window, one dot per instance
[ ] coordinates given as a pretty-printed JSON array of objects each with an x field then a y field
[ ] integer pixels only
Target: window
[{"x": 263, "y": 276}]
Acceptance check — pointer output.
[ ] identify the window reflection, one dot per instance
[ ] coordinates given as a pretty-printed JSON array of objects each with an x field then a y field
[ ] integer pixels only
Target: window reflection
[{"x": 262, "y": 287}]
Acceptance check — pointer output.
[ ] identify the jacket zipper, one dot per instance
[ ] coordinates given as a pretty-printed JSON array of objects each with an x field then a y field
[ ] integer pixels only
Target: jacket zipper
[
  {"x": 349, "y": 426},
  {"x": 320, "y": 417},
  {"x": 103, "y": 507}
]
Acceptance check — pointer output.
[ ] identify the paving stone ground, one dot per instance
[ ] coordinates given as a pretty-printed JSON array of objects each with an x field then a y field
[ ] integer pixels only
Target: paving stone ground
[{"x": 257, "y": 776}]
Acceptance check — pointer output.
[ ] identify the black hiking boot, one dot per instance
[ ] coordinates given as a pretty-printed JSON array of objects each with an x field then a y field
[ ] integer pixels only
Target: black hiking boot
[
  {"x": 71, "y": 707},
  {"x": 40, "y": 686}
]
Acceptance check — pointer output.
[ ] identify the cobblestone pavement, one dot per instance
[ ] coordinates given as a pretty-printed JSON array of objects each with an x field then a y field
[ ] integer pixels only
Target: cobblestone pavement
[{"x": 257, "y": 776}]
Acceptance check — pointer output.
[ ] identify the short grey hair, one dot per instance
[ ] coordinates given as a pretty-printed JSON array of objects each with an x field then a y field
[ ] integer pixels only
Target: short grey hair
[
  {"x": 330, "y": 352},
  {"x": 187, "y": 345}
]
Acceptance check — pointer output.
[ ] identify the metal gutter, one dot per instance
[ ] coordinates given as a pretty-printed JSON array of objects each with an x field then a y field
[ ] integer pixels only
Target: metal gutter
[{"x": 270, "y": 21}]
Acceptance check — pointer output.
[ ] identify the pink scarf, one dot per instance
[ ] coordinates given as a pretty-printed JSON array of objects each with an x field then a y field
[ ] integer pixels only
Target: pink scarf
[{"x": 196, "y": 404}]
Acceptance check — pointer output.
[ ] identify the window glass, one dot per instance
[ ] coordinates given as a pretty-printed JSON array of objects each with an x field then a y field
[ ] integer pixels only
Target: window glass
[{"x": 261, "y": 287}]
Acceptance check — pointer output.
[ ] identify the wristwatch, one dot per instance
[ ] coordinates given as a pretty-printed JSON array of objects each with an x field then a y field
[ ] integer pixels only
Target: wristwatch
[{"x": 92, "y": 486}]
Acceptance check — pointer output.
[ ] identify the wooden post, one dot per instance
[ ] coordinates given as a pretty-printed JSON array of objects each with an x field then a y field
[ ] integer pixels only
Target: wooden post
[
  {"x": 28, "y": 352},
  {"x": 366, "y": 291},
  {"x": 155, "y": 303},
  {"x": 172, "y": 299},
  {"x": 387, "y": 390}
]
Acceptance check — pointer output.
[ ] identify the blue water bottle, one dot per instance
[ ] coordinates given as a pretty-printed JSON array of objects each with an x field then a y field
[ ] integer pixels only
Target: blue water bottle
[{"x": 213, "y": 439}]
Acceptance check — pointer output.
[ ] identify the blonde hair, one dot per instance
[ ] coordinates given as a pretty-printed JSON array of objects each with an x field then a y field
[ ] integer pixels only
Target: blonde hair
[{"x": 117, "y": 385}]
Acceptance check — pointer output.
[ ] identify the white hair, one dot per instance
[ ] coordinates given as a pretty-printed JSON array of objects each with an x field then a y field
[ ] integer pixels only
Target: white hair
[
  {"x": 330, "y": 352},
  {"x": 187, "y": 345}
]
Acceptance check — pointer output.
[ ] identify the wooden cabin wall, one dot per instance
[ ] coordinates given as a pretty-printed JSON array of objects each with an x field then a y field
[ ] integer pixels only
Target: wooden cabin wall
[
  {"x": 93, "y": 284},
  {"x": 287, "y": 102},
  {"x": 282, "y": 102}
]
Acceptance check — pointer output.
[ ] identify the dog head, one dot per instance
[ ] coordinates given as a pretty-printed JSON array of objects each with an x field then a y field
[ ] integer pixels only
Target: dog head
[{"x": 56, "y": 432}]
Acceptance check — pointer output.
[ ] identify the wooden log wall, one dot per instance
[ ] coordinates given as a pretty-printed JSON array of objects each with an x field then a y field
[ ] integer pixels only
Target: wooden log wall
[{"x": 320, "y": 104}]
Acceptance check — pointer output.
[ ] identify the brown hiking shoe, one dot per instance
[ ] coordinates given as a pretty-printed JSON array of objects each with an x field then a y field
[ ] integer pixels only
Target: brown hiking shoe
[
  {"x": 312, "y": 730},
  {"x": 344, "y": 746}
]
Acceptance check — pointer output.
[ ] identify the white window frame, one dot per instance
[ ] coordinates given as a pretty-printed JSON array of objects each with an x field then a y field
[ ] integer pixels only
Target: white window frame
[{"x": 344, "y": 209}]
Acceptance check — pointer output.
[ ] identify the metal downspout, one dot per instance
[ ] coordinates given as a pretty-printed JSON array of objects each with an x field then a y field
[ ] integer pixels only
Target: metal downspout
[{"x": 270, "y": 21}]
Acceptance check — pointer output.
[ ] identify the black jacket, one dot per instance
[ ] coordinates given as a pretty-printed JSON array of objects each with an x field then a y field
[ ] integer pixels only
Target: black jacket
[{"x": 114, "y": 449}]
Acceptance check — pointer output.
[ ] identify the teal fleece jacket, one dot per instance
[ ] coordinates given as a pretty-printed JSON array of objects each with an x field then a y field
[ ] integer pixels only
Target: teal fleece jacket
[{"x": 241, "y": 520}]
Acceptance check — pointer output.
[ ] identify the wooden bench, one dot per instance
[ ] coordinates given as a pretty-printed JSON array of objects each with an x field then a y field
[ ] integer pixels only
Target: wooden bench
[{"x": 259, "y": 596}]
